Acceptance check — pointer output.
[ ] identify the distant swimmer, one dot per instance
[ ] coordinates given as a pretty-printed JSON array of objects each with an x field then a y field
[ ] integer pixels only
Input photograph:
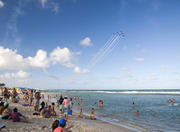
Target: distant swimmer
[
  {"x": 92, "y": 115},
  {"x": 133, "y": 104},
  {"x": 137, "y": 112},
  {"x": 169, "y": 101},
  {"x": 100, "y": 103},
  {"x": 173, "y": 100}
]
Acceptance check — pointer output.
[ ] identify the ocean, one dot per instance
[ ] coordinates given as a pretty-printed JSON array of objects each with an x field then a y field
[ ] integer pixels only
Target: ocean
[{"x": 155, "y": 113}]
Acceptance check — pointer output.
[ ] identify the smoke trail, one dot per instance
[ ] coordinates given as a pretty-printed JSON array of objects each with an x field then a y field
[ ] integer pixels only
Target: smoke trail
[
  {"x": 100, "y": 57},
  {"x": 107, "y": 48},
  {"x": 102, "y": 50}
]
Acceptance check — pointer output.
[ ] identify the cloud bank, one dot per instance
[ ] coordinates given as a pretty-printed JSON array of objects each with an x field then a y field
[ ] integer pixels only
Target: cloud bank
[
  {"x": 20, "y": 75},
  {"x": 11, "y": 60}
]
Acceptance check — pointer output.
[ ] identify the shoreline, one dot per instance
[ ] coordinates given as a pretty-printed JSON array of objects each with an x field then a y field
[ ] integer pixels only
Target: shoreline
[
  {"x": 40, "y": 124},
  {"x": 126, "y": 125}
]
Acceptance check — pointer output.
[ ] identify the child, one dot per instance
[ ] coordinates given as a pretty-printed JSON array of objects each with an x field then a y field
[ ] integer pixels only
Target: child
[
  {"x": 53, "y": 110},
  {"x": 92, "y": 116},
  {"x": 69, "y": 111},
  {"x": 26, "y": 97},
  {"x": 80, "y": 114},
  {"x": 48, "y": 112}
]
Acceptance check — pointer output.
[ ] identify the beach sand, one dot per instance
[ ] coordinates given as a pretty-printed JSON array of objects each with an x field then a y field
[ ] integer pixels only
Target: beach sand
[{"x": 39, "y": 124}]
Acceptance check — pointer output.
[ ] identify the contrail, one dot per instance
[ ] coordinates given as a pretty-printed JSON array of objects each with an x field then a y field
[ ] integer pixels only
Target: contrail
[
  {"x": 106, "y": 49},
  {"x": 102, "y": 50},
  {"x": 104, "y": 53}
]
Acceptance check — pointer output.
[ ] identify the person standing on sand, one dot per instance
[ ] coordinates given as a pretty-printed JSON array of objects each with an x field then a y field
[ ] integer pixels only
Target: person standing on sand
[
  {"x": 26, "y": 97},
  {"x": 14, "y": 94},
  {"x": 53, "y": 110},
  {"x": 30, "y": 97},
  {"x": 66, "y": 106},
  {"x": 6, "y": 94},
  {"x": 37, "y": 97},
  {"x": 1, "y": 91},
  {"x": 60, "y": 103}
]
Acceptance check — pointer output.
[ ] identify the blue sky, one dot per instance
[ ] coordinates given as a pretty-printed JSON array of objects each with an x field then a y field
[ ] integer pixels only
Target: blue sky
[{"x": 57, "y": 44}]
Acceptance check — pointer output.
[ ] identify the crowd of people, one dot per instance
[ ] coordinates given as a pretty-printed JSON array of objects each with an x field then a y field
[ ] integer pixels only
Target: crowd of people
[
  {"x": 32, "y": 98},
  {"x": 7, "y": 113}
]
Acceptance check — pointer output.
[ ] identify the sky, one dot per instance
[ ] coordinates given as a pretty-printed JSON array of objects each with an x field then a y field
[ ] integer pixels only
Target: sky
[{"x": 74, "y": 44}]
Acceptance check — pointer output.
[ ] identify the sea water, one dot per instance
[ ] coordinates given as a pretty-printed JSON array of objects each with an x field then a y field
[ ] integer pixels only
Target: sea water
[{"x": 155, "y": 113}]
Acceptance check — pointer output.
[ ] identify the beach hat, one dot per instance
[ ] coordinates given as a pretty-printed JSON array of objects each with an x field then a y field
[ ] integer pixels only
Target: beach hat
[
  {"x": 62, "y": 122},
  {"x": 5, "y": 104}
]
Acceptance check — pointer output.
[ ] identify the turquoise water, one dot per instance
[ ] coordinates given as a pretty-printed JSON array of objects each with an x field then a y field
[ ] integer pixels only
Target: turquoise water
[{"x": 156, "y": 113}]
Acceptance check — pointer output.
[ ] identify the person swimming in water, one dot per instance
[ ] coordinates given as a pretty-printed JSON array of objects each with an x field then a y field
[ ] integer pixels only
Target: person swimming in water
[
  {"x": 137, "y": 112},
  {"x": 133, "y": 104},
  {"x": 173, "y": 100},
  {"x": 100, "y": 103},
  {"x": 92, "y": 115},
  {"x": 169, "y": 101}
]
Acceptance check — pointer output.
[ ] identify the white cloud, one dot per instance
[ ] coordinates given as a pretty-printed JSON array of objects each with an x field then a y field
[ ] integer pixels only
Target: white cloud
[
  {"x": 43, "y": 2},
  {"x": 62, "y": 56},
  {"x": 124, "y": 69},
  {"x": 1, "y": 4},
  {"x": 40, "y": 60},
  {"x": 9, "y": 59},
  {"x": 20, "y": 75},
  {"x": 164, "y": 67},
  {"x": 86, "y": 42},
  {"x": 78, "y": 70},
  {"x": 140, "y": 59}
]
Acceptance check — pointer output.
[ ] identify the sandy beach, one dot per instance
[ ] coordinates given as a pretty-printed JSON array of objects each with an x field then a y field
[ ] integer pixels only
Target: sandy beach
[{"x": 39, "y": 124}]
